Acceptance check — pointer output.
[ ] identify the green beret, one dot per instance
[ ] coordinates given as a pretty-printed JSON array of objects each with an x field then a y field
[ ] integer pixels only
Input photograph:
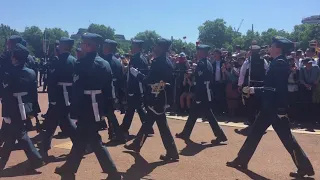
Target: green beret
[
  {"x": 15, "y": 39},
  {"x": 110, "y": 42}
]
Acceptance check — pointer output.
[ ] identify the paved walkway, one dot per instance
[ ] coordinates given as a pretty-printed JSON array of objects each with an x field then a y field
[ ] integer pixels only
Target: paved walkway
[{"x": 199, "y": 159}]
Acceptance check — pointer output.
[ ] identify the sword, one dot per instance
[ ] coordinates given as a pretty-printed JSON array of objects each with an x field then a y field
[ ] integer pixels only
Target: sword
[
  {"x": 65, "y": 92},
  {"x": 95, "y": 105},
  {"x": 21, "y": 104}
]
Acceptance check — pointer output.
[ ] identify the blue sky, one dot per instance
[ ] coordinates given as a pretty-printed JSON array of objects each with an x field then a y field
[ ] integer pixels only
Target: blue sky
[{"x": 175, "y": 18}]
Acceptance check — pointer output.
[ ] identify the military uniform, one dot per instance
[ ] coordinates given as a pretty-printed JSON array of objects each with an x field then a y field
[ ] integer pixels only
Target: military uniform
[
  {"x": 91, "y": 90},
  {"x": 59, "y": 92},
  {"x": 5, "y": 66},
  {"x": 18, "y": 93},
  {"x": 253, "y": 70},
  {"x": 135, "y": 91},
  {"x": 117, "y": 86},
  {"x": 273, "y": 112},
  {"x": 158, "y": 95},
  {"x": 203, "y": 98}
]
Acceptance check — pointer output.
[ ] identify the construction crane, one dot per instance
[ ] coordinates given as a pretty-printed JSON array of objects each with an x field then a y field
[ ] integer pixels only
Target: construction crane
[{"x": 240, "y": 25}]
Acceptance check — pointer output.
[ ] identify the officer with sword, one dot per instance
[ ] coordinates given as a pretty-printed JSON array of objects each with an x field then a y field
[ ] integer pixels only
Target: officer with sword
[
  {"x": 158, "y": 97},
  {"x": 91, "y": 90}
]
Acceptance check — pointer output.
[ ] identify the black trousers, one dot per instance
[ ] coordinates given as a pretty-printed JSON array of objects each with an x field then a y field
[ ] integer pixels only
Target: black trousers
[
  {"x": 164, "y": 130},
  {"x": 114, "y": 128},
  {"x": 134, "y": 103},
  {"x": 253, "y": 106},
  {"x": 57, "y": 116},
  {"x": 88, "y": 134},
  {"x": 195, "y": 112},
  {"x": 282, "y": 128},
  {"x": 16, "y": 131}
]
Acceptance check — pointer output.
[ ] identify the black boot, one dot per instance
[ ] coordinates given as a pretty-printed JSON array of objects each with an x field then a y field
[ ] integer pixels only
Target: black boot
[
  {"x": 132, "y": 147},
  {"x": 301, "y": 173},
  {"x": 182, "y": 135},
  {"x": 169, "y": 157},
  {"x": 237, "y": 164}
]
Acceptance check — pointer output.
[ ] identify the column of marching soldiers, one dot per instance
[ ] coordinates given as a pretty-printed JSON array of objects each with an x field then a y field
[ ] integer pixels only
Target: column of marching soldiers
[{"x": 86, "y": 91}]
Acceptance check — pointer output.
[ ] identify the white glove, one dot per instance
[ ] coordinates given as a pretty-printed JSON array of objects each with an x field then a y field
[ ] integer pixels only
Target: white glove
[
  {"x": 134, "y": 71},
  {"x": 248, "y": 90},
  {"x": 7, "y": 120},
  {"x": 282, "y": 116}
]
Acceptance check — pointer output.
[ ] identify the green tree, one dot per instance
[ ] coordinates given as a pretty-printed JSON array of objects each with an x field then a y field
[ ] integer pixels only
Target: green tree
[
  {"x": 5, "y": 33},
  {"x": 124, "y": 47},
  {"x": 52, "y": 35},
  {"x": 34, "y": 37},
  {"x": 149, "y": 38},
  {"x": 178, "y": 44},
  {"x": 105, "y": 31},
  {"x": 215, "y": 33}
]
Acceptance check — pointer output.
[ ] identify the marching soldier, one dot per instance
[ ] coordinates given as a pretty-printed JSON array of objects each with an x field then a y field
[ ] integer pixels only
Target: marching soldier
[
  {"x": 109, "y": 48},
  {"x": 203, "y": 97},
  {"x": 91, "y": 89},
  {"x": 59, "y": 88},
  {"x": 18, "y": 93},
  {"x": 274, "y": 112},
  {"x": 135, "y": 88},
  {"x": 5, "y": 65},
  {"x": 158, "y": 95},
  {"x": 31, "y": 64},
  {"x": 253, "y": 72}
]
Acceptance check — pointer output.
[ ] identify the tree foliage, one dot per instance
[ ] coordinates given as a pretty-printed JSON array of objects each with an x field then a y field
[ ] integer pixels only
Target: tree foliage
[{"x": 216, "y": 33}]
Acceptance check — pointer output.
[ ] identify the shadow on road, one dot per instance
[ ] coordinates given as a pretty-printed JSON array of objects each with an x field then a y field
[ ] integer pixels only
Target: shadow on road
[
  {"x": 252, "y": 175},
  {"x": 21, "y": 169},
  {"x": 141, "y": 167},
  {"x": 193, "y": 148},
  {"x": 68, "y": 177}
]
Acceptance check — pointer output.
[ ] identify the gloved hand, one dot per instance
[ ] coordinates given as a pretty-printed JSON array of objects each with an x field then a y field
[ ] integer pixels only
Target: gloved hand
[
  {"x": 7, "y": 120},
  {"x": 282, "y": 116},
  {"x": 134, "y": 71},
  {"x": 248, "y": 90}
]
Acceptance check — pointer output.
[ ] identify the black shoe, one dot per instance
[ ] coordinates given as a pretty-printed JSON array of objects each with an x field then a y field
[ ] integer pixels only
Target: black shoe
[
  {"x": 182, "y": 136},
  {"x": 44, "y": 154},
  {"x": 301, "y": 174},
  {"x": 219, "y": 140},
  {"x": 151, "y": 132},
  {"x": 169, "y": 157},
  {"x": 236, "y": 164},
  {"x": 132, "y": 147},
  {"x": 114, "y": 177}
]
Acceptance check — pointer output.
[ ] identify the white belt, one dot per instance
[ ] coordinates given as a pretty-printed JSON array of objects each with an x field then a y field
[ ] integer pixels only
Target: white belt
[
  {"x": 95, "y": 105},
  {"x": 65, "y": 92},
  {"x": 21, "y": 104}
]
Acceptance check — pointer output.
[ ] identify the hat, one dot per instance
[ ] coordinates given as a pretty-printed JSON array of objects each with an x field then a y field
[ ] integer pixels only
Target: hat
[
  {"x": 166, "y": 43},
  {"x": 238, "y": 46},
  {"x": 182, "y": 54},
  {"x": 111, "y": 42},
  {"x": 163, "y": 41},
  {"x": 96, "y": 38},
  {"x": 255, "y": 47},
  {"x": 66, "y": 41},
  {"x": 299, "y": 50},
  {"x": 24, "y": 43},
  {"x": 203, "y": 47},
  {"x": 15, "y": 39},
  {"x": 313, "y": 50},
  {"x": 137, "y": 42},
  {"x": 284, "y": 43},
  {"x": 20, "y": 52}
]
